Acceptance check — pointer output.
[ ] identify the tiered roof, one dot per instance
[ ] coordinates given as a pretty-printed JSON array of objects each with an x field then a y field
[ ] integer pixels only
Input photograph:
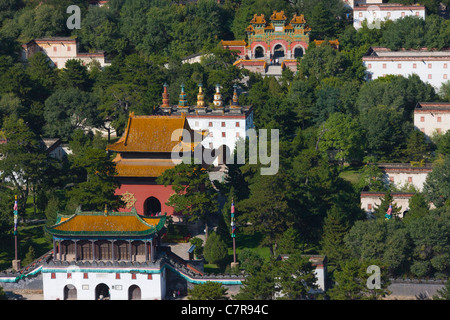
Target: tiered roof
[
  {"x": 106, "y": 224},
  {"x": 150, "y": 135}
]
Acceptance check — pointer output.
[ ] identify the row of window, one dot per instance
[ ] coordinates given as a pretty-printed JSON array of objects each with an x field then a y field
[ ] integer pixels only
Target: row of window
[
  {"x": 388, "y": 14},
  {"x": 86, "y": 276},
  {"x": 438, "y": 119},
  {"x": 430, "y": 76},
  {"x": 224, "y": 134},
  {"x": 414, "y": 66},
  {"x": 438, "y": 130},
  {"x": 223, "y": 124}
]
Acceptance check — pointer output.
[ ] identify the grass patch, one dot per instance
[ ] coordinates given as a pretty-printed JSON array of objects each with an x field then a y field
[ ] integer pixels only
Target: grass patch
[
  {"x": 350, "y": 174},
  {"x": 27, "y": 236}
]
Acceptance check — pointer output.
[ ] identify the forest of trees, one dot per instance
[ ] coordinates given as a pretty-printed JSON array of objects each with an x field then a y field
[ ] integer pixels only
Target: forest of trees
[{"x": 328, "y": 117}]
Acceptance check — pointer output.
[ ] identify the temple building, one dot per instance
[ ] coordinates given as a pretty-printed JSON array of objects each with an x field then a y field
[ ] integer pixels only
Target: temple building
[
  {"x": 274, "y": 44},
  {"x": 222, "y": 125},
  {"x": 383, "y": 12},
  {"x": 432, "y": 66},
  {"x": 59, "y": 50},
  {"x": 432, "y": 117},
  {"x": 105, "y": 255},
  {"x": 144, "y": 152}
]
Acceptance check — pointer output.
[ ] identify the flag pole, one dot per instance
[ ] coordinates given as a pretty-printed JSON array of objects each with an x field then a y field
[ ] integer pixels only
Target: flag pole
[
  {"x": 233, "y": 234},
  {"x": 16, "y": 262}
]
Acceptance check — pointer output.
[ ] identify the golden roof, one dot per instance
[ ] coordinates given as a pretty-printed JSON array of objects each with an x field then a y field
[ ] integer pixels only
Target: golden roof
[
  {"x": 278, "y": 15},
  {"x": 142, "y": 167},
  {"x": 258, "y": 19},
  {"x": 106, "y": 224},
  {"x": 150, "y": 134},
  {"x": 298, "y": 19},
  {"x": 233, "y": 42}
]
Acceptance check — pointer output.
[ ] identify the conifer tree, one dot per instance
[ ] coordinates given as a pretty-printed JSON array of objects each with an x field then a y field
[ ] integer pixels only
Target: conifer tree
[{"x": 381, "y": 210}]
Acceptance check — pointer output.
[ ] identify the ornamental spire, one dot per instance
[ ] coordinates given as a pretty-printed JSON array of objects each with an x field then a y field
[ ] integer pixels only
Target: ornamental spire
[
  {"x": 182, "y": 101},
  {"x": 165, "y": 97},
  {"x": 235, "y": 102},
  {"x": 200, "y": 97},
  {"x": 218, "y": 103}
]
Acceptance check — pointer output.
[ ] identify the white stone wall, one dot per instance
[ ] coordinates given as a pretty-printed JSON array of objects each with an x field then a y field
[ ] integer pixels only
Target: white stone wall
[
  {"x": 233, "y": 128},
  {"x": 376, "y": 13},
  {"x": 154, "y": 289},
  {"x": 402, "y": 179},
  {"x": 431, "y": 121},
  {"x": 432, "y": 71},
  {"x": 368, "y": 203}
]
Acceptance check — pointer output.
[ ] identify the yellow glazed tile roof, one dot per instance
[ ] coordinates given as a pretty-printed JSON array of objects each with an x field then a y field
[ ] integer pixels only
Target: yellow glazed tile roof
[
  {"x": 109, "y": 223},
  {"x": 150, "y": 134}
]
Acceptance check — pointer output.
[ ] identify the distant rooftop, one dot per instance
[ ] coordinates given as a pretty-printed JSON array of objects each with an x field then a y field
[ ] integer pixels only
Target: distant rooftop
[{"x": 381, "y": 53}]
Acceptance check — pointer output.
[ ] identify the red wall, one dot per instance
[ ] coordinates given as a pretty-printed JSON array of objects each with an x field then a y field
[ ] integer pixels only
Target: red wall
[{"x": 143, "y": 191}]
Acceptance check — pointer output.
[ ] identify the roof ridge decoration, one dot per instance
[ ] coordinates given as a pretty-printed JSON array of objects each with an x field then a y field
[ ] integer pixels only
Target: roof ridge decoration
[{"x": 99, "y": 224}]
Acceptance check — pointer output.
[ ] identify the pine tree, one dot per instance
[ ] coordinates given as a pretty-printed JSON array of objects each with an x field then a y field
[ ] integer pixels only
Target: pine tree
[
  {"x": 334, "y": 230},
  {"x": 382, "y": 208},
  {"x": 29, "y": 257}
]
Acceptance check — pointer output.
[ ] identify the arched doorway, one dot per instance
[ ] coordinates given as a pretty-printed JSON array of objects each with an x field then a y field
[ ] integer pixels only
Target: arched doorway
[
  {"x": 152, "y": 206},
  {"x": 259, "y": 52},
  {"x": 134, "y": 292},
  {"x": 298, "y": 52},
  {"x": 101, "y": 292},
  {"x": 70, "y": 292},
  {"x": 278, "y": 52}
]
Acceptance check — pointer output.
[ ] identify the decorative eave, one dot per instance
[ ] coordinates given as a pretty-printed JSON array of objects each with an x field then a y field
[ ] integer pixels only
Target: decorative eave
[{"x": 106, "y": 224}]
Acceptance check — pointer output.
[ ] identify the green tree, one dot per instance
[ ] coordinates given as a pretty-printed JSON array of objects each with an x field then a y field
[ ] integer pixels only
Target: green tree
[
  {"x": 386, "y": 201},
  {"x": 250, "y": 260},
  {"x": 444, "y": 293},
  {"x": 195, "y": 196},
  {"x": 437, "y": 184},
  {"x": 351, "y": 283},
  {"x": 418, "y": 208},
  {"x": 344, "y": 135},
  {"x": 97, "y": 186},
  {"x": 295, "y": 277},
  {"x": 208, "y": 291},
  {"x": 335, "y": 228},
  {"x": 260, "y": 284},
  {"x": 23, "y": 162},
  {"x": 29, "y": 257},
  {"x": 321, "y": 21},
  {"x": 69, "y": 109},
  {"x": 266, "y": 210},
  {"x": 417, "y": 147},
  {"x": 74, "y": 75},
  {"x": 215, "y": 250},
  {"x": 385, "y": 132}
]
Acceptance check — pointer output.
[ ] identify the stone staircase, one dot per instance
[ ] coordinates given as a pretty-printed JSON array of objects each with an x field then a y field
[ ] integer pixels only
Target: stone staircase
[{"x": 273, "y": 71}]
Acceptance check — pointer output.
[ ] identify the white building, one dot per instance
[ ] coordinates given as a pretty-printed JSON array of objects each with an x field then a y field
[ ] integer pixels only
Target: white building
[
  {"x": 371, "y": 199},
  {"x": 223, "y": 125},
  {"x": 404, "y": 174},
  {"x": 353, "y": 3},
  {"x": 375, "y": 13},
  {"x": 59, "y": 50},
  {"x": 431, "y": 66},
  {"x": 432, "y": 117}
]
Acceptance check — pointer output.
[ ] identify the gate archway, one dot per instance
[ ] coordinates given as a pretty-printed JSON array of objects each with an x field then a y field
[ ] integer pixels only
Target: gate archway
[
  {"x": 102, "y": 292},
  {"x": 134, "y": 292},
  {"x": 152, "y": 206},
  {"x": 70, "y": 292}
]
